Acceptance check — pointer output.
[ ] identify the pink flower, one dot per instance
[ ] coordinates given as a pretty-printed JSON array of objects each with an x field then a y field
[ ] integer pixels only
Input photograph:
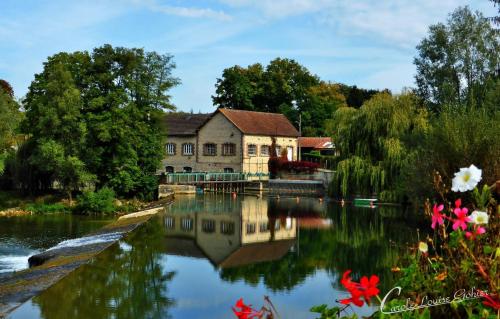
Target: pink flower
[
  {"x": 462, "y": 217},
  {"x": 458, "y": 203},
  {"x": 478, "y": 230},
  {"x": 437, "y": 217}
]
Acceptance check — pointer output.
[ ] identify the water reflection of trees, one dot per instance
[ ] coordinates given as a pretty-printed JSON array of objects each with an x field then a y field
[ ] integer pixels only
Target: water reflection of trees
[
  {"x": 360, "y": 239},
  {"x": 126, "y": 281}
]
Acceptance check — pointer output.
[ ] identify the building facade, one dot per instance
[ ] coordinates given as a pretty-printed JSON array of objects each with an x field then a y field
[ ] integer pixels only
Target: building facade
[{"x": 227, "y": 141}]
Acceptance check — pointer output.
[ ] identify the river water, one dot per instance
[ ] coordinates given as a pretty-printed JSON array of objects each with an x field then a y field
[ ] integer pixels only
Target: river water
[
  {"x": 205, "y": 252},
  {"x": 23, "y": 236}
]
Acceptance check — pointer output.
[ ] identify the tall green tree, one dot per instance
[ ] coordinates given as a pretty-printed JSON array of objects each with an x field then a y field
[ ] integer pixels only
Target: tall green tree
[
  {"x": 375, "y": 144},
  {"x": 272, "y": 89},
  {"x": 103, "y": 109},
  {"x": 319, "y": 104},
  {"x": 458, "y": 62},
  {"x": 9, "y": 121}
]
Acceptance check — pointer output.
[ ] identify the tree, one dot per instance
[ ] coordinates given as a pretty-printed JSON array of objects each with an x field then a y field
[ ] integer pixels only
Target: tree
[
  {"x": 374, "y": 144},
  {"x": 355, "y": 97},
  {"x": 319, "y": 104},
  {"x": 269, "y": 90},
  {"x": 9, "y": 119},
  {"x": 457, "y": 62},
  {"x": 239, "y": 88},
  {"x": 104, "y": 110}
]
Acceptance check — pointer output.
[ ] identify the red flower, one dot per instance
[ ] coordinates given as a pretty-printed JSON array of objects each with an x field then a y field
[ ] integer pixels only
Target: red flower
[
  {"x": 366, "y": 288},
  {"x": 491, "y": 301},
  {"x": 355, "y": 299},
  {"x": 246, "y": 311},
  {"x": 369, "y": 287}
]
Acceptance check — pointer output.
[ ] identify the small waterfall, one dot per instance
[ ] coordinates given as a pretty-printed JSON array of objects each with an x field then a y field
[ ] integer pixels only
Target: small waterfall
[{"x": 88, "y": 240}]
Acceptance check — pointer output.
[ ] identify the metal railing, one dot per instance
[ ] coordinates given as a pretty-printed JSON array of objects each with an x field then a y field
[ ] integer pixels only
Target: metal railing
[{"x": 198, "y": 177}]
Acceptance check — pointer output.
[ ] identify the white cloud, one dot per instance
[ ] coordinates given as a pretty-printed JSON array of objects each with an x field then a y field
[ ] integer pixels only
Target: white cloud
[
  {"x": 188, "y": 12},
  {"x": 402, "y": 22}
]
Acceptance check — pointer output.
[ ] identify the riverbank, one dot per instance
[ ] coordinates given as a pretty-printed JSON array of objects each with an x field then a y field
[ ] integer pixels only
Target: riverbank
[{"x": 55, "y": 263}]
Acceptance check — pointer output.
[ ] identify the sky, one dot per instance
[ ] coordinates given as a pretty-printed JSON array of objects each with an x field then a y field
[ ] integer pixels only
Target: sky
[{"x": 368, "y": 43}]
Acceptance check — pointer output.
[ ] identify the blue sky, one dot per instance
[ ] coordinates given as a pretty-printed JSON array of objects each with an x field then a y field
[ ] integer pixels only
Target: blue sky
[{"x": 368, "y": 43}]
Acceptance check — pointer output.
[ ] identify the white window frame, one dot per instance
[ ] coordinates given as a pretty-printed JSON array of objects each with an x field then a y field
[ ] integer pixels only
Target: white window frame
[
  {"x": 265, "y": 147},
  {"x": 252, "y": 153},
  {"x": 278, "y": 150},
  {"x": 188, "y": 149},
  {"x": 170, "y": 148}
]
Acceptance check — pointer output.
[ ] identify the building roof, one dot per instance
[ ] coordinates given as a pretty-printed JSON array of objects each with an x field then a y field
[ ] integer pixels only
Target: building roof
[
  {"x": 316, "y": 142},
  {"x": 184, "y": 124},
  {"x": 260, "y": 123},
  {"x": 259, "y": 252}
]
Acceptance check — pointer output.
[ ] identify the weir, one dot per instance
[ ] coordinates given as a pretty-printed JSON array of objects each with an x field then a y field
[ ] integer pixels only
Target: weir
[
  {"x": 284, "y": 187},
  {"x": 52, "y": 265}
]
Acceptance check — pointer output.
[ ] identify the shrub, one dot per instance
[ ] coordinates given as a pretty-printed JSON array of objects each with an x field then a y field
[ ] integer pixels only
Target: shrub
[
  {"x": 300, "y": 166},
  {"x": 43, "y": 208},
  {"x": 101, "y": 201}
]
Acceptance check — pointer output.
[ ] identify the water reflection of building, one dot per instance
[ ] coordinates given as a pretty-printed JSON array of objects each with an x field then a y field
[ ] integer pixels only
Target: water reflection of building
[{"x": 230, "y": 236}]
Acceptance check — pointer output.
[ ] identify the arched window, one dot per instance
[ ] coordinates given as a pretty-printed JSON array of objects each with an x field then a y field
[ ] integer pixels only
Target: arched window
[
  {"x": 187, "y": 169},
  {"x": 228, "y": 170},
  {"x": 169, "y": 169}
]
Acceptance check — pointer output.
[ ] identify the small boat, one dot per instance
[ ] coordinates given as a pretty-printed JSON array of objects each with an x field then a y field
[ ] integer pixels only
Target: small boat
[{"x": 365, "y": 202}]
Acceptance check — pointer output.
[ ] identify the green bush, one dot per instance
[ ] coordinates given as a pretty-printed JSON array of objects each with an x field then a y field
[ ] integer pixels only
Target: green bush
[
  {"x": 101, "y": 201},
  {"x": 43, "y": 208}
]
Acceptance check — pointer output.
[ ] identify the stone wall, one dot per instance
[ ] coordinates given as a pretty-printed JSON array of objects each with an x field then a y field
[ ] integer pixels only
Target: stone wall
[
  {"x": 219, "y": 130},
  {"x": 179, "y": 161}
]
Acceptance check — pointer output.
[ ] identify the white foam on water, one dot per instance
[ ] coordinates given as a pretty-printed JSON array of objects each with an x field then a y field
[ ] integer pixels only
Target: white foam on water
[
  {"x": 125, "y": 247},
  {"x": 10, "y": 263},
  {"x": 88, "y": 240}
]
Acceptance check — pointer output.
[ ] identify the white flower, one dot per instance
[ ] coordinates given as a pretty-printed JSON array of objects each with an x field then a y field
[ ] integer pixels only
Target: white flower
[
  {"x": 478, "y": 217},
  {"x": 423, "y": 247},
  {"x": 466, "y": 179}
]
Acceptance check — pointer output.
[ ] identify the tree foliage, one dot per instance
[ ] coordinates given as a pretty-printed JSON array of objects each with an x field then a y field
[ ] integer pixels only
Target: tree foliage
[
  {"x": 458, "y": 62},
  {"x": 100, "y": 111},
  {"x": 9, "y": 119},
  {"x": 373, "y": 143},
  {"x": 285, "y": 86}
]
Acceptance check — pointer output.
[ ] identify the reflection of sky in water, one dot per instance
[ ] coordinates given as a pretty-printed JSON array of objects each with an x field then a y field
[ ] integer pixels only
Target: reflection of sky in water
[
  {"x": 198, "y": 291},
  {"x": 306, "y": 275}
]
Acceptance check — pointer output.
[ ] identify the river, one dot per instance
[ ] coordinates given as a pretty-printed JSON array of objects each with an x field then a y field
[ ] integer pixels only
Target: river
[
  {"x": 23, "y": 236},
  {"x": 204, "y": 252}
]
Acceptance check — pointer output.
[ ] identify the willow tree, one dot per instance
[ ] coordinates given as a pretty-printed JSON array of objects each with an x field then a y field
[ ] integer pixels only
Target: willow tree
[{"x": 375, "y": 144}]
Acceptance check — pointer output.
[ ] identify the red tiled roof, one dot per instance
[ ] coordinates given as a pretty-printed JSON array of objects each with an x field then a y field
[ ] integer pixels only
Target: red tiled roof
[
  {"x": 315, "y": 142},
  {"x": 260, "y": 123}
]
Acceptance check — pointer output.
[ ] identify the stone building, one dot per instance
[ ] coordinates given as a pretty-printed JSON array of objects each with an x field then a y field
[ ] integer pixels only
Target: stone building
[{"x": 226, "y": 141}]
